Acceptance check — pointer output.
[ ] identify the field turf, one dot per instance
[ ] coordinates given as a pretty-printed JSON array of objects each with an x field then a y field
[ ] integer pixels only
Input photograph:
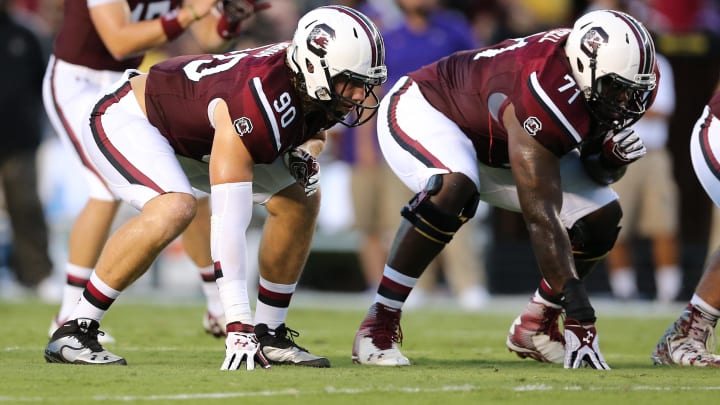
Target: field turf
[{"x": 457, "y": 358}]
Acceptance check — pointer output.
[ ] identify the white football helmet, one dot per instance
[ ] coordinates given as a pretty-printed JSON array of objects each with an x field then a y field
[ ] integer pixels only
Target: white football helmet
[
  {"x": 613, "y": 62},
  {"x": 338, "y": 40}
]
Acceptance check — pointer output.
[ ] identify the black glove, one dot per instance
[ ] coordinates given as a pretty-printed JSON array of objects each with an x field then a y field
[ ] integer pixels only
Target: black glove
[{"x": 305, "y": 168}]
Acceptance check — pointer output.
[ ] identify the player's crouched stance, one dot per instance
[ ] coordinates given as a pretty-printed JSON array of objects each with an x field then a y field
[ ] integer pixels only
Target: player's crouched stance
[
  {"x": 246, "y": 126},
  {"x": 547, "y": 148}
]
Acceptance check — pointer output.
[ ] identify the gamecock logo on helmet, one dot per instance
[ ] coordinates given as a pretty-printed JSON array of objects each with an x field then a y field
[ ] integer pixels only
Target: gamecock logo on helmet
[
  {"x": 319, "y": 38},
  {"x": 592, "y": 40}
]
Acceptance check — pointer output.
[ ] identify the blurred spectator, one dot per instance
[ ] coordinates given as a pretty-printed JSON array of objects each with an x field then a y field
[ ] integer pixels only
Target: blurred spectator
[
  {"x": 22, "y": 113},
  {"x": 416, "y": 32},
  {"x": 649, "y": 198}
]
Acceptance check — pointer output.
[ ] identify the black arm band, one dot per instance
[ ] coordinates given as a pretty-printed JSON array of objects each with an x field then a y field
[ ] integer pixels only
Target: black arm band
[
  {"x": 576, "y": 302},
  {"x": 599, "y": 171}
]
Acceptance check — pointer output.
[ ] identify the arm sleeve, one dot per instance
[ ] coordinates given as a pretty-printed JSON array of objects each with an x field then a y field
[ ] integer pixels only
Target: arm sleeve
[{"x": 231, "y": 205}]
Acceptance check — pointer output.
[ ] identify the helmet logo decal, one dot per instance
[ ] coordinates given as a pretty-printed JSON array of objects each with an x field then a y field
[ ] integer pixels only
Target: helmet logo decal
[
  {"x": 592, "y": 40},
  {"x": 243, "y": 126},
  {"x": 532, "y": 125},
  {"x": 319, "y": 38}
]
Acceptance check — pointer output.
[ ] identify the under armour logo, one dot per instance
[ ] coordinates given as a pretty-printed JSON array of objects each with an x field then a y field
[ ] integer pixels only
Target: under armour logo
[
  {"x": 588, "y": 337},
  {"x": 241, "y": 343}
]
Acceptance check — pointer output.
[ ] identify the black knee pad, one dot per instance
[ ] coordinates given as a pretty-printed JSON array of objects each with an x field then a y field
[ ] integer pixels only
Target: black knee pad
[
  {"x": 592, "y": 242},
  {"x": 432, "y": 221}
]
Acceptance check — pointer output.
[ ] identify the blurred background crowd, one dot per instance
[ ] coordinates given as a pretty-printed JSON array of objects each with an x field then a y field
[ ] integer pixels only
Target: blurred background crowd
[{"x": 659, "y": 256}]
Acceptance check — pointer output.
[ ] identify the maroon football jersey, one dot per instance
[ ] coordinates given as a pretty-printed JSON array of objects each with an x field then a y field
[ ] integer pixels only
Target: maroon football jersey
[
  {"x": 266, "y": 110},
  {"x": 78, "y": 42},
  {"x": 472, "y": 88},
  {"x": 714, "y": 104}
]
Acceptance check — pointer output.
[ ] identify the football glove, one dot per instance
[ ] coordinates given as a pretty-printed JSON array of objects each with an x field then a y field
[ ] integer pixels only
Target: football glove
[
  {"x": 234, "y": 12},
  {"x": 304, "y": 168},
  {"x": 242, "y": 346},
  {"x": 581, "y": 346},
  {"x": 622, "y": 148}
]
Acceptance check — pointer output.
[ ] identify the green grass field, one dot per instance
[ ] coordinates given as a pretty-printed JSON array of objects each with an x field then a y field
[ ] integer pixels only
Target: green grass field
[{"x": 457, "y": 358}]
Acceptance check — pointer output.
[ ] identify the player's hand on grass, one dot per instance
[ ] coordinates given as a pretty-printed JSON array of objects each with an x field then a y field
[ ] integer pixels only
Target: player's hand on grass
[
  {"x": 242, "y": 346},
  {"x": 581, "y": 346}
]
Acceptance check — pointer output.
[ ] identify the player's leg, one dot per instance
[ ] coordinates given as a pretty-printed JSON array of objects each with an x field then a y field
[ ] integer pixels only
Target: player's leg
[
  {"x": 196, "y": 241},
  {"x": 148, "y": 176},
  {"x": 284, "y": 249},
  {"x": 442, "y": 169},
  {"x": 68, "y": 95},
  {"x": 689, "y": 340}
]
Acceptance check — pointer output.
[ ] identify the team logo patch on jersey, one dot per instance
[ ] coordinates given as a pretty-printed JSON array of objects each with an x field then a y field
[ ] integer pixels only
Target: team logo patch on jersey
[
  {"x": 319, "y": 38},
  {"x": 532, "y": 125},
  {"x": 243, "y": 126}
]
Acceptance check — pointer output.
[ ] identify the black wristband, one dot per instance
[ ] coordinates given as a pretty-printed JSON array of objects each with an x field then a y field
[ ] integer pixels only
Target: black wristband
[{"x": 576, "y": 303}]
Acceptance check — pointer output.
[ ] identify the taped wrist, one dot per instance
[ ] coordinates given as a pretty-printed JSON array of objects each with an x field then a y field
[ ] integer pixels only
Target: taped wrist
[
  {"x": 228, "y": 29},
  {"x": 171, "y": 25},
  {"x": 576, "y": 302}
]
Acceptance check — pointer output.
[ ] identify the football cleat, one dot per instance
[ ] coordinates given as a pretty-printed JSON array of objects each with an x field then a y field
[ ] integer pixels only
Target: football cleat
[
  {"x": 689, "y": 341},
  {"x": 536, "y": 333},
  {"x": 279, "y": 347},
  {"x": 76, "y": 342},
  {"x": 376, "y": 341},
  {"x": 214, "y": 325},
  {"x": 104, "y": 338}
]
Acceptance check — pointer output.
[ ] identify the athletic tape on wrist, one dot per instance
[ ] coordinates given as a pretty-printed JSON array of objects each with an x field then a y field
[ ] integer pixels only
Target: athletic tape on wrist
[{"x": 171, "y": 25}]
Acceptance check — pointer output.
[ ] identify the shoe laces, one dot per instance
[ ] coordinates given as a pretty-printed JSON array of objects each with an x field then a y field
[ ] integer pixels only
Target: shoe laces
[
  {"x": 386, "y": 329},
  {"x": 284, "y": 333},
  {"x": 550, "y": 323},
  {"x": 89, "y": 338},
  {"x": 703, "y": 334}
]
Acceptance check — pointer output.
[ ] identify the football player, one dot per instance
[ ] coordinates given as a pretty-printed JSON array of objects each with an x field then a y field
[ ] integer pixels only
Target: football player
[
  {"x": 98, "y": 40},
  {"x": 690, "y": 340},
  {"x": 239, "y": 125},
  {"x": 537, "y": 125}
]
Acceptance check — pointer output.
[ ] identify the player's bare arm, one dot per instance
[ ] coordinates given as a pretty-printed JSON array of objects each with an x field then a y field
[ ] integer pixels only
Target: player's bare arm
[
  {"x": 230, "y": 161},
  {"x": 537, "y": 174},
  {"x": 124, "y": 38}
]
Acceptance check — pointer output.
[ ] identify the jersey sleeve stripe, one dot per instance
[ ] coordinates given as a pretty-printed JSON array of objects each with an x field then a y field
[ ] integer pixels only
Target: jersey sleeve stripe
[
  {"x": 266, "y": 110},
  {"x": 552, "y": 109}
]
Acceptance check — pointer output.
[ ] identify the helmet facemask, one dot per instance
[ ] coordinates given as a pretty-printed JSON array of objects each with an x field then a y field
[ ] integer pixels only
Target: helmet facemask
[
  {"x": 616, "y": 102},
  {"x": 347, "y": 111}
]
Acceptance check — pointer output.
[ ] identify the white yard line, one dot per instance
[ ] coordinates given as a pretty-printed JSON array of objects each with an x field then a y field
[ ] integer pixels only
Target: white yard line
[{"x": 345, "y": 391}]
